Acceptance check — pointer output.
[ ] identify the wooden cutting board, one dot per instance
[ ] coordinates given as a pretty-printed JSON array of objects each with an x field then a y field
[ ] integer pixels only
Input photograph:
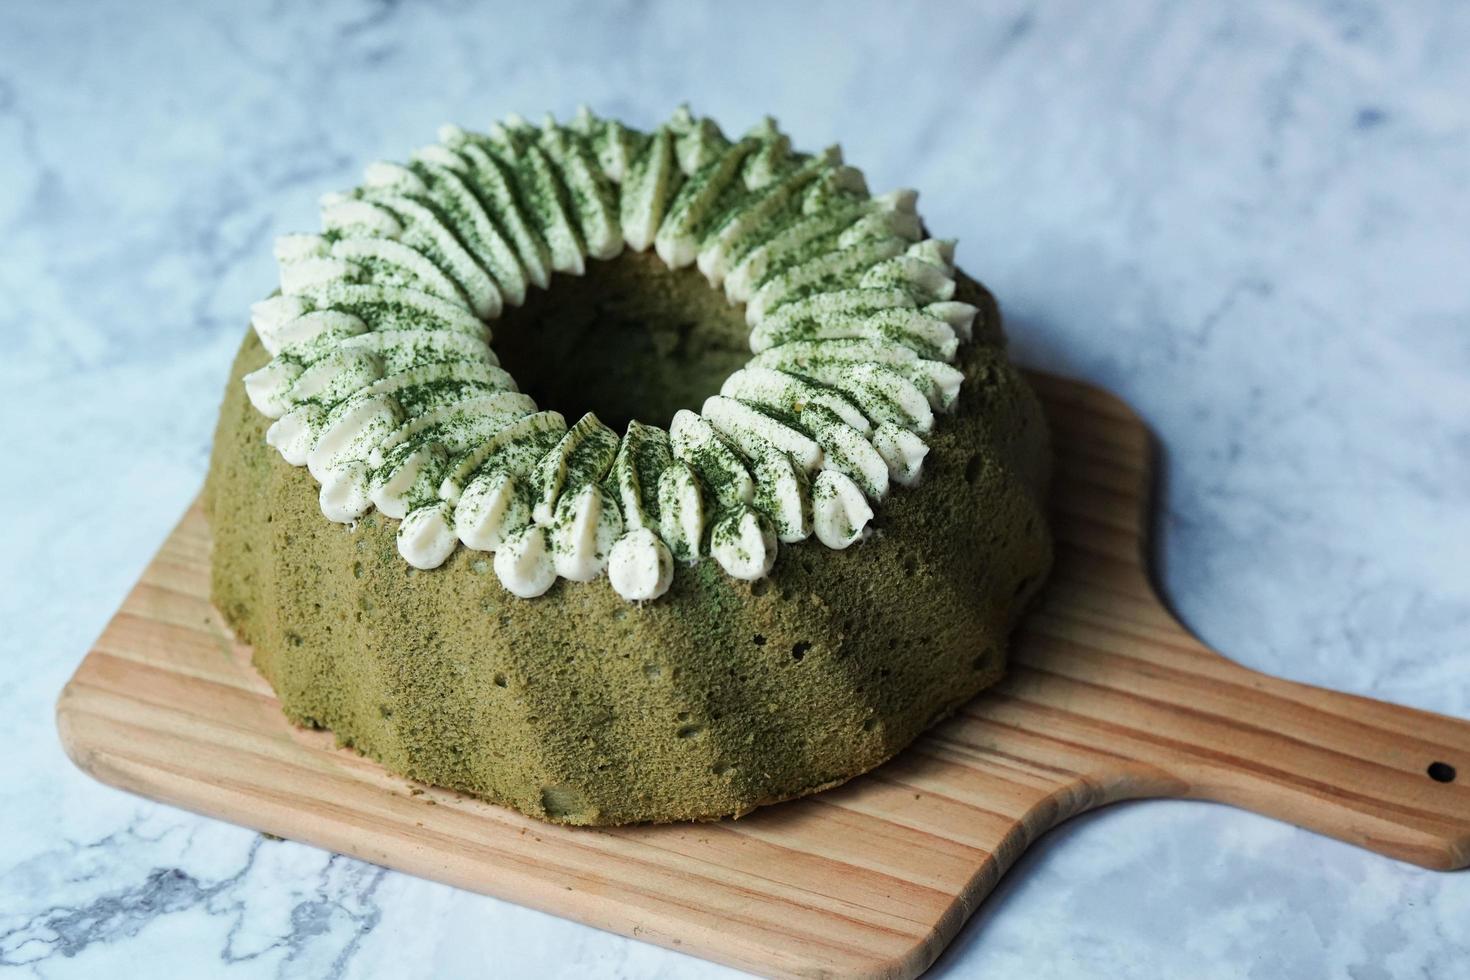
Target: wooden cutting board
[{"x": 1108, "y": 698}]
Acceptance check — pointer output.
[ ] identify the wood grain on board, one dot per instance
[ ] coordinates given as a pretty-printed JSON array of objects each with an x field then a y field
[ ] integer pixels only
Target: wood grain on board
[{"x": 1108, "y": 698}]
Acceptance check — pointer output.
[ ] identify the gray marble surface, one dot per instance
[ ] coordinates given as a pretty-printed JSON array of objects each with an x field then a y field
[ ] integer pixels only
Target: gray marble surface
[{"x": 1252, "y": 221}]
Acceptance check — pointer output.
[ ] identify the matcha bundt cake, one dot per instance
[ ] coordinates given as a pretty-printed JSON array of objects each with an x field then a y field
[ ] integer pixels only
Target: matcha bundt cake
[{"x": 743, "y": 495}]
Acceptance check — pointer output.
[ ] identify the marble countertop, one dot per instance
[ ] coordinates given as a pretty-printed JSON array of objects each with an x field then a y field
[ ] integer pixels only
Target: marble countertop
[{"x": 1251, "y": 221}]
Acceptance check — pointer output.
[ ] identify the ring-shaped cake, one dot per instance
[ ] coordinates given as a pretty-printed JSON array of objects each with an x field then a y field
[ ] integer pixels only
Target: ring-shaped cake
[{"x": 875, "y": 412}]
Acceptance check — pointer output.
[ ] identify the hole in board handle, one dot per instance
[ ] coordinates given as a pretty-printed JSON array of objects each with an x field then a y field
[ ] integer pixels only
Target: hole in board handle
[{"x": 1441, "y": 772}]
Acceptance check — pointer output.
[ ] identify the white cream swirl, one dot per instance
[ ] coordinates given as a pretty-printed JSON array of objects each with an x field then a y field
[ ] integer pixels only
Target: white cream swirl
[{"x": 384, "y": 384}]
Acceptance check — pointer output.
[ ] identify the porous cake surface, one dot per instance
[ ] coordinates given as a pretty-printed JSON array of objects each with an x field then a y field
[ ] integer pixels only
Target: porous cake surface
[
  {"x": 794, "y": 522},
  {"x": 580, "y": 707}
]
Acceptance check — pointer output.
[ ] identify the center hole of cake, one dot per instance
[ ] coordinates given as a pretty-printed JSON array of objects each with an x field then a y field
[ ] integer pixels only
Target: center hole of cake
[{"x": 630, "y": 339}]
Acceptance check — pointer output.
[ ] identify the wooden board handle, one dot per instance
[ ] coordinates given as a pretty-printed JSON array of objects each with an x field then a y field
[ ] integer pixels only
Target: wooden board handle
[
  {"x": 1388, "y": 778},
  {"x": 1392, "y": 779},
  {"x": 1117, "y": 672}
]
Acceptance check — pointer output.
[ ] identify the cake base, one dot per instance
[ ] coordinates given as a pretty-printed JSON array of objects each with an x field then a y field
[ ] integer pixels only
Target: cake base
[{"x": 580, "y": 707}]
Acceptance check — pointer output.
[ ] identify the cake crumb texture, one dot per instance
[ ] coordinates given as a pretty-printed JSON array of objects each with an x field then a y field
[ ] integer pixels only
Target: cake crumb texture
[{"x": 582, "y": 708}]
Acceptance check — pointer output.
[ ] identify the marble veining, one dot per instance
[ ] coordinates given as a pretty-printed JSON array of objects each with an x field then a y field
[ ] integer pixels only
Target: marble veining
[{"x": 1252, "y": 221}]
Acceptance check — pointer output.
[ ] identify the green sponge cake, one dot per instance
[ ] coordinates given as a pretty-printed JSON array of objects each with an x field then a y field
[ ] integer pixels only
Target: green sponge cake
[{"x": 742, "y": 495}]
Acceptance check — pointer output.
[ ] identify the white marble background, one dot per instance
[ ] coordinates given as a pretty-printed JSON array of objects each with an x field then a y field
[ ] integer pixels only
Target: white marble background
[{"x": 1252, "y": 221}]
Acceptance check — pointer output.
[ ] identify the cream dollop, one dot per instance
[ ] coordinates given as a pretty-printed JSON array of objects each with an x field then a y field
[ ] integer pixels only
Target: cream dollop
[
  {"x": 426, "y": 536},
  {"x": 641, "y": 566},
  {"x": 491, "y": 509},
  {"x": 586, "y": 524},
  {"x": 840, "y": 512},
  {"x": 681, "y": 511},
  {"x": 524, "y": 563},
  {"x": 744, "y": 543}
]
